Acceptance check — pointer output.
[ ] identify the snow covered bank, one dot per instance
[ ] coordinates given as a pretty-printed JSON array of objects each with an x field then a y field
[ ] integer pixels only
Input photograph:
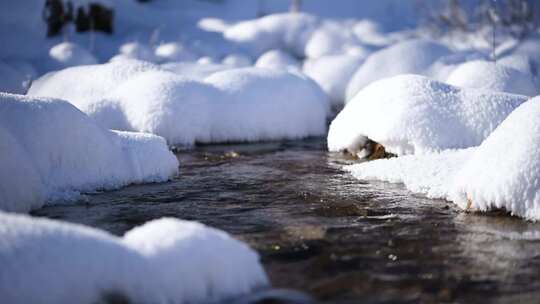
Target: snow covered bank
[
  {"x": 502, "y": 173},
  {"x": 411, "y": 114},
  {"x": 50, "y": 150},
  {"x": 408, "y": 57},
  {"x": 249, "y": 104},
  {"x": 493, "y": 77},
  {"x": 163, "y": 261}
]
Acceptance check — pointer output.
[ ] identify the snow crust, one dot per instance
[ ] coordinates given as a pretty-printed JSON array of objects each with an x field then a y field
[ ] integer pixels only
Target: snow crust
[
  {"x": 412, "y": 114},
  {"x": 164, "y": 261},
  {"x": 52, "y": 151},
  {"x": 494, "y": 77},
  {"x": 408, "y": 57}
]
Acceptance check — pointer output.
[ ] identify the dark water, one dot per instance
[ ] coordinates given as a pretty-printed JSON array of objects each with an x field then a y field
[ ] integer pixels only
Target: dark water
[{"x": 322, "y": 232}]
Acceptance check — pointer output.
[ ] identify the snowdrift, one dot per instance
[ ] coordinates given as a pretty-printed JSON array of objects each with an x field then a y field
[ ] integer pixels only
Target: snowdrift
[
  {"x": 50, "y": 151},
  {"x": 164, "y": 261},
  {"x": 248, "y": 104},
  {"x": 493, "y": 77},
  {"x": 411, "y": 114},
  {"x": 67, "y": 54},
  {"x": 277, "y": 59},
  {"x": 408, "y": 57}
]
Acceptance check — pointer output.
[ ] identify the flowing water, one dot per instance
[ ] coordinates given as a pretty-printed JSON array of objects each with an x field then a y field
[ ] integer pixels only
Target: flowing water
[{"x": 328, "y": 235}]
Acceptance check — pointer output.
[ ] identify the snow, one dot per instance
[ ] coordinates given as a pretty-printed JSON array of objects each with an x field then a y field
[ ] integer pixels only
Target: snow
[
  {"x": 332, "y": 38},
  {"x": 504, "y": 170},
  {"x": 412, "y": 114},
  {"x": 408, "y": 57},
  {"x": 136, "y": 50},
  {"x": 13, "y": 80},
  {"x": 249, "y": 104},
  {"x": 288, "y": 31},
  {"x": 237, "y": 60},
  {"x": 215, "y": 265},
  {"x": 194, "y": 70},
  {"x": 173, "y": 51},
  {"x": 163, "y": 261},
  {"x": 494, "y": 77},
  {"x": 67, "y": 54},
  {"x": 277, "y": 59},
  {"x": 332, "y": 73},
  {"x": 262, "y": 104},
  {"x": 52, "y": 151},
  {"x": 428, "y": 174}
]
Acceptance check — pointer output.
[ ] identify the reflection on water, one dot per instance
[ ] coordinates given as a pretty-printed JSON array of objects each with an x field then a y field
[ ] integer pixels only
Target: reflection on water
[{"x": 322, "y": 232}]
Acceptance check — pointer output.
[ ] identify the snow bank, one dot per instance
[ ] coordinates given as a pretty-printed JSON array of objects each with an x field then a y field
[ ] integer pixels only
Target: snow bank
[
  {"x": 210, "y": 264},
  {"x": 333, "y": 73},
  {"x": 411, "y": 114},
  {"x": 288, "y": 31},
  {"x": 52, "y": 151},
  {"x": 262, "y": 104},
  {"x": 493, "y": 77},
  {"x": 164, "y": 261},
  {"x": 408, "y": 57},
  {"x": 237, "y": 60},
  {"x": 67, "y": 54},
  {"x": 504, "y": 172},
  {"x": 277, "y": 59}
]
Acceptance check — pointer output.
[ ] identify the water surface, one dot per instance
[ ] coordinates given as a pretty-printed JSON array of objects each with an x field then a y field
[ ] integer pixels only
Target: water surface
[{"x": 322, "y": 232}]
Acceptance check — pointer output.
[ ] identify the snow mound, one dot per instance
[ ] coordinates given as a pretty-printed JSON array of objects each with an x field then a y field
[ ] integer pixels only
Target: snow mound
[
  {"x": 408, "y": 57},
  {"x": 67, "y": 54},
  {"x": 263, "y": 104},
  {"x": 504, "y": 172},
  {"x": 412, "y": 114},
  {"x": 136, "y": 50},
  {"x": 98, "y": 80},
  {"x": 164, "y": 261},
  {"x": 288, "y": 31},
  {"x": 237, "y": 61},
  {"x": 51, "y": 151},
  {"x": 208, "y": 258},
  {"x": 494, "y": 77},
  {"x": 173, "y": 51},
  {"x": 333, "y": 73},
  {"x": 277, "y": 59}
]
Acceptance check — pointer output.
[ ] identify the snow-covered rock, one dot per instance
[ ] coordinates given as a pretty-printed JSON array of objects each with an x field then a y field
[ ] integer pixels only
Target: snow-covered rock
[
  {"x": 237, "y": 61},
  {"x": 288, "y": 31},
  {"x": 209, "y": 263},
  {"x": 504, "y": 172},
  {"x": 164, "y": 261},
  {"x": 262, "y": 104},
  {"x": 412, "y": 114},
  {"x": 408, "y": 57},
  {"x": 332, "y": 38},
  {"x": 67, "y": 54},
  {"x": 51, "y": 151},
  {"x": 333, "y": 73},
  {"x": 173, "y": 51},
  {"x": 277, "y": 59},
  {"x": 490, "y": 76}
]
